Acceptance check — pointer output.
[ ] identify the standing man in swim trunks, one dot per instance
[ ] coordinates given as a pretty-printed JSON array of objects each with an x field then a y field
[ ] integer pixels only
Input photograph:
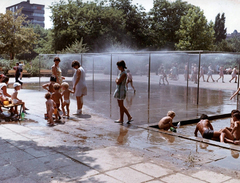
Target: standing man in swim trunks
[{"x": 205, "y": 128}]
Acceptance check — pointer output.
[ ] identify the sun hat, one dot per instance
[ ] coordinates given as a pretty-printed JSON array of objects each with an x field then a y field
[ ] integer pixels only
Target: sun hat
[{"x": 16, "y": 84}]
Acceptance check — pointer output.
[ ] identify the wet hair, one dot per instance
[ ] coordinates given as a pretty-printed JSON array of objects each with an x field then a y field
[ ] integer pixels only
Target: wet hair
[
  {"x": 171, "y": 113},
  {"x": 237, "y": 115},
  {"x": 53, "y": 78},
  {"x": 65, "y": 85},
  {"x": 204, "y": 116},
  {"x": 234, "y": 111},
  {"x": 75, "y": 63},
  {"x": 48, "y": 95},
  {"x": 56, "y": 59},
  {"x": 5, "y": 79},
  {"x": 121, "y": 63},
  {"x": 56, "y": 86}
]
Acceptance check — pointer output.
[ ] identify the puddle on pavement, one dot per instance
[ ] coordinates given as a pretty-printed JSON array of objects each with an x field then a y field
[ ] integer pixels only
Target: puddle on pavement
[
  {"x": 145, "y": 109},
  {"x": 149, "y": 110}
]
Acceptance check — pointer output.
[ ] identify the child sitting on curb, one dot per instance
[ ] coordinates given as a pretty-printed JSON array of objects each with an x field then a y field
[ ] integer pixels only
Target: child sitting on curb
[
  {"x": 16, "y": 100},
  {"x": 66, "y": 97}
]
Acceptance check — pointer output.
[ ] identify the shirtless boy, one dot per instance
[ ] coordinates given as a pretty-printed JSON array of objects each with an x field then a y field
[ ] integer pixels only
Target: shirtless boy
[
  {"x": 205, "y": 128},
  {"x": 57, "y": 98},
  {"x": 232, "y": 136},
  {"x": 166, "y": 122},
  {"x": 66, "y": 96},
  {"x": 49, "y": 86}
]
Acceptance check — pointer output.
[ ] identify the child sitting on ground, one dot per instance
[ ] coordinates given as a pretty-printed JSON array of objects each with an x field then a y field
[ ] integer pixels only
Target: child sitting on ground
[
  {"x": 16, "y": 100},
  {"x": 66, "y": 97},
  {"x": 166, "y": 122},
  {"x": 50, "y": 108},
  {"x": 57, "y": 98},
  {"x": 232, "y": 136},
  {"x": 49, "y": 86}
]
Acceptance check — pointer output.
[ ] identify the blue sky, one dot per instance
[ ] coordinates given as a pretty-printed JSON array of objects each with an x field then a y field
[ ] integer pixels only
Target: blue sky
[{"x": 210, "y": 7}]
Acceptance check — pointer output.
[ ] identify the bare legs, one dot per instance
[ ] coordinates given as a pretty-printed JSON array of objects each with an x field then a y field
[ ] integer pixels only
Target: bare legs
[
  {"x": 211, "y": 78},
  {"x": 122, "y": 111},
  {"x": 79, "y": 104}
]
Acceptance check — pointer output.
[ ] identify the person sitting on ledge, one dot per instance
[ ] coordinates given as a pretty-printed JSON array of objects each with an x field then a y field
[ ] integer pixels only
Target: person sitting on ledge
[
  {"x": 166, "y": 122},
  {"x": 206, "y": 129},
  {"x": 232, "y": 136}
]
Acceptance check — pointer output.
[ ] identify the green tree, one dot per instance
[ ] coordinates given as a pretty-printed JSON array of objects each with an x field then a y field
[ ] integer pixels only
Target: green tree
[
  {"x": 14, "y": 38},
  {"x": 135, "y": 33},
  {"x": 219, "y": 28},
  {"x": 76, "y": 47},
  {"x": 165, "y": 21},
  {"x": 225, "y": 45},
  {"x": 44, "y": 42},
  {"x": 95, "y": 22},
  {"x": 195, "y": 33}
]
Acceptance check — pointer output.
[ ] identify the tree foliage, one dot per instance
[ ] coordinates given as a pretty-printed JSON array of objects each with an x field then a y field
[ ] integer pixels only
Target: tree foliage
[
  {"x": 95, "y": 22},
  {"x": 14, "y": 37},
  {"x": 195, "y": 33},
  {"x": 219, "y": 28},
  {"x": 76, "y": 47},
  {"x": 165, "y": 21},
  {"x": 136, "y": 23}
]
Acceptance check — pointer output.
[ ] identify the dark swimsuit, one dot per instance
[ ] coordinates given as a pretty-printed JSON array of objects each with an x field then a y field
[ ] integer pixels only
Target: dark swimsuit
[{"x": 208, "y": 134}]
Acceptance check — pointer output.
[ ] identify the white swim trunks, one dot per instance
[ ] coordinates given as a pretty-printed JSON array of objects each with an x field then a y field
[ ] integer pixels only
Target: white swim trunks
[{"x": 67, "y": 101}]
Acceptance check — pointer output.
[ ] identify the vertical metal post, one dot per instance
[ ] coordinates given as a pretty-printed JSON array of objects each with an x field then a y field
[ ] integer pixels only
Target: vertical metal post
[
  {"x": 149, "y": 80},
  {"x": 149, "y": 69},
  {"x": 199, "y": 64},
  {"x": 39, "y": 73},
  {"x": 238, "y": 81},
  {"x": 110, "y": 85},
  {"x": 81, "y": 59},
  {"x": 111, "y": 75},
  {"x": 93, "y": 71},
  {"x": 187, "y": 77}
]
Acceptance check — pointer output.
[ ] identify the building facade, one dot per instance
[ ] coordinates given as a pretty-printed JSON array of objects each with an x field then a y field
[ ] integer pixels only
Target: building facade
[{"x": 33, "y": 12}]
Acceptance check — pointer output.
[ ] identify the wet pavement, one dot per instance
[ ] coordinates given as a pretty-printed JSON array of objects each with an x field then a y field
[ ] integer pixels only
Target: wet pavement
[{"x": 91, "y": 148}]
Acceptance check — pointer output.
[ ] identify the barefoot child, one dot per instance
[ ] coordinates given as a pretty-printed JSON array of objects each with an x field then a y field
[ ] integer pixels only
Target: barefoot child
[
  {"x": 50, "y": 108},
  {"x": 66, "y": 97},
  {"x": 232, "y": 136},
  {"x": 57, "y": 98},
  {"x": 49, "y": 86},
  {"x": 166, "y": 122},
  {"x": 15, "y": 99}
]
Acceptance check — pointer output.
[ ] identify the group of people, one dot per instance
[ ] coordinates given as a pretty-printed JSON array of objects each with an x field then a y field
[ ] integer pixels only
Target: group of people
[
  {"x": 58, "y": 94},
  {"x": 229, "y": 134},
  {"x": 210, "y": 72},
  {"x": 6, "y": 98}
]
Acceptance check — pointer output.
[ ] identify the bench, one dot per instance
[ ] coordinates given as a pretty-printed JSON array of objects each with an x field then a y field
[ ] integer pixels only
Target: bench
[
  {"x": 18, "y": 117},
  {"x": 12, "y": 73}
]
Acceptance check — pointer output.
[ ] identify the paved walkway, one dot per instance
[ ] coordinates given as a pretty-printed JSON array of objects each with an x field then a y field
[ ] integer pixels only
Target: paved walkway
[{"x": 91, "y": 148}]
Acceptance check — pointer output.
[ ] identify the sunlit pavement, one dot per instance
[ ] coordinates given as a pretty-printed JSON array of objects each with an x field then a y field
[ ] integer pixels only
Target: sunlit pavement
[{"x": 91, "y": 148}]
